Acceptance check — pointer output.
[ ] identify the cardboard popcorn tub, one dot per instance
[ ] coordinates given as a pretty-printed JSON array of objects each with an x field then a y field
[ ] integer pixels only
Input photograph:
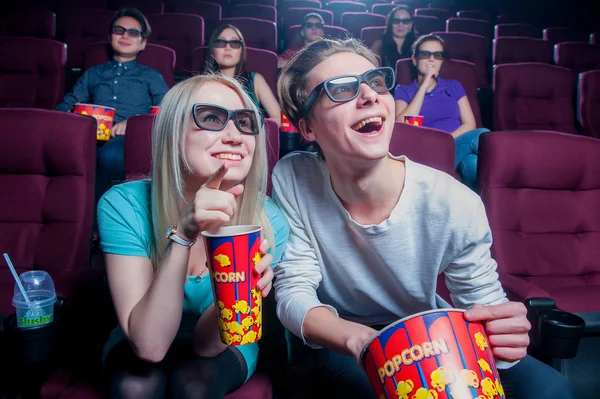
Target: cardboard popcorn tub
[
  {"x": 104, "y": 118},
  {"x": 232, "y": 253},
  {"x": 432, "y": 355}
]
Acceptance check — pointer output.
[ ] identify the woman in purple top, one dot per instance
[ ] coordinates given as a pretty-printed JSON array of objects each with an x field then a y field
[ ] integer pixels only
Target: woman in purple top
[{"x": 442, "y": 103}]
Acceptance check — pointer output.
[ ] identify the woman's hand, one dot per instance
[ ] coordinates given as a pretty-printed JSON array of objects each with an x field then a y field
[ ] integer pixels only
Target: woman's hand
[
  {"x": 210, "y": 208},
  {"x": 263, "y": 267},
  {"x": 430, "y": 76}
]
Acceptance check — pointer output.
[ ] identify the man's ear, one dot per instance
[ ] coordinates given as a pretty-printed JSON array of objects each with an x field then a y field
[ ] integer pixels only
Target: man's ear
[
  {"x": 302, "y": 32},
  {"x": 414, "y": 60},
  {"x": 143, "y": 44},
  {"x": 306, "y": 130}
]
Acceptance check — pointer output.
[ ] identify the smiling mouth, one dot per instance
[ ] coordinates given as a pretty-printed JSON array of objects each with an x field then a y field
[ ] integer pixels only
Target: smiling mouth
[
  {"x": 227, "y": 156},
  {"x": 369, "y": 125}
]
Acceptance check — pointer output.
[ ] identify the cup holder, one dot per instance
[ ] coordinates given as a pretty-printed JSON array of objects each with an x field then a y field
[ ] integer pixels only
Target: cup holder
[
  {"x": 560, "y": 332},
  {"x": 34, "y": 345}
]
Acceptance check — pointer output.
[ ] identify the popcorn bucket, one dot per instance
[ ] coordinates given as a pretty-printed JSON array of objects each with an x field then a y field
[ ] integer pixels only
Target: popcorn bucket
[
  {"x": 432, "y": 355},
  {"x": 416, "y": 120},
  {"x": 286, "y": 126},
  {"x": 232, "y": 254},
  {"x": 154, "y": 110},
  {"x": 104, "y": 118}
]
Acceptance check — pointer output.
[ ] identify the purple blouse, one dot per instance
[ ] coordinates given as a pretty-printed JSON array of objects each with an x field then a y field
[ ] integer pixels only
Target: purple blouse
[{"x": 440, "y": 107}]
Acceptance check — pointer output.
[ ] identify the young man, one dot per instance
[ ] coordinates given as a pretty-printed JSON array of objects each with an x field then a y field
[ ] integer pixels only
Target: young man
[
  {"x": 370, "y": 232},
  {"x": 123, "y": 84},
  {"x": 313, "y": 28}
]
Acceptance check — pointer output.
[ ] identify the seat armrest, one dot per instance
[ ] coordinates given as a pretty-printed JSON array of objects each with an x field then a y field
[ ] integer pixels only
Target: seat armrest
[{"x": 519, "y": 289}]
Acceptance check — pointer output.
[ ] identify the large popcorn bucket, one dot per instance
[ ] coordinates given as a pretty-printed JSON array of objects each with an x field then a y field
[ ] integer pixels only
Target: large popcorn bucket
[
  {"x": 232, "y": 254},
  {"x": 415, "y": 120},
  {"x": 432, "y": 355},
  {"x": 104, "y": 118}
]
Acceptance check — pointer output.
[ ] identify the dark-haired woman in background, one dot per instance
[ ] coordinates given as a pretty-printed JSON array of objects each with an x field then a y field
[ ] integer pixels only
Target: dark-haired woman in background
[
  {"x": 398, "y": 38},
  {"x": 228, "y": 55},
  {"x": 443, "y": 104}
]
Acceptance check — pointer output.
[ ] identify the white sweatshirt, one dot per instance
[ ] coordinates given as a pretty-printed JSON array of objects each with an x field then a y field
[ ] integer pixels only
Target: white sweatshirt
[{"x": 376, "y": 274}]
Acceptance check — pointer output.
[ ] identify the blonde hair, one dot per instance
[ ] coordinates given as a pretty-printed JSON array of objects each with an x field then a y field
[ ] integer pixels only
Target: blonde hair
[
  {"x": 169, "y": 164},
  {"x": 291, "y": 85}
]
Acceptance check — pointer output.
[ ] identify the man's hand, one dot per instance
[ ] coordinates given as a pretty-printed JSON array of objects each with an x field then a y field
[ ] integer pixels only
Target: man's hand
[
  {"x": 119, "y": 129},
  {"x": 507, "y": 328}
]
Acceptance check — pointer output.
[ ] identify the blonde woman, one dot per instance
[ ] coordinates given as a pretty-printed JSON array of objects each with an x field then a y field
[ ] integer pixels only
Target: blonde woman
[{"x": 209, "y": 169}]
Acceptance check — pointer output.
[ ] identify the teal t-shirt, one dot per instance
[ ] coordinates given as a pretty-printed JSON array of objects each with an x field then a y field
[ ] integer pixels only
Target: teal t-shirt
[{"x": 125, "y": 224}]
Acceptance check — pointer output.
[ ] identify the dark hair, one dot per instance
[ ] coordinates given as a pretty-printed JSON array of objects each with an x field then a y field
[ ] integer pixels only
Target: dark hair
[
  {"x": 291, "y": 85},
  {"x": 423, "y": 39},
  {"x": 313, "y": 15},
  {"x": 211, "y": 63},
  {"x": 135, "y": 14},
  {"x": 389, "y": 48}
]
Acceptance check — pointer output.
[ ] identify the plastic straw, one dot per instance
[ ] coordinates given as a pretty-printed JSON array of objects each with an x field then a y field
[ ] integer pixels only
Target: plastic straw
[{"x": 18, "y": 280}]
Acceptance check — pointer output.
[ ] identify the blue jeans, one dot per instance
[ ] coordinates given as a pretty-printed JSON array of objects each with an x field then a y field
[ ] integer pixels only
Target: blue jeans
[
  {"x": 342, "y": 377},
  {"x": 465, "y": 160}
]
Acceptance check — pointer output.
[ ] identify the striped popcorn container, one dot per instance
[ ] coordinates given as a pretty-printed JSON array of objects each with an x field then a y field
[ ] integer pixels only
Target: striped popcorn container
[
  {"x": 104, "y": 118},
  {"x": 232, "y": 254},
  {"x": 432, "y": 355}
]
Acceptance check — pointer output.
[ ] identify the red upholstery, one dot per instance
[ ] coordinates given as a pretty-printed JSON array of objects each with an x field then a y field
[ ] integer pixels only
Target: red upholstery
[
  {"x": 35, "y": 22},
  {"x": 382, "y": 9},
  {"x": 33, "y": 76},
  {"x": 589, "y": 103},
  {"x": 430, "y": 147},
  {"x": 355, "y": 21},
  {"x": 295, "y": 16},
  {"x": 467, "y": 47},
  {"x": 520, "y": 30},
  {"x": 258, "y": 33},
  {"x": 370, "y": 34},
  {"x": 301, "y": 4},
  {"x": 541, "y": 191},
  {"x": 441, "y": 13},
  {"x": 559, "y": 35},
  {"x": 158, "y": 57},
  {"x": 272, "y": 131},
  {"x": 340, "y": 7},
  {"x": 138, "y": 147},
  {"x": 254, "y": 11},
  {"x": 211, "y": 13},
  {"x": 180, "y": 32},
  {"x": 475, "y": 14},
  {"x": 294, "y": 38},
  {"x": 508, "y": 50},
  {"x": 577, "y": 56},
  {"x": 463, "y": 71},
  {"x": 469, "y": 25},
  {"x": 145, "y": 6},
  {"x": 258, "y": 60},
  {"x": 78, "y": 29},
  {"x": 425, "y": 24},
  {"x": 272, "y": 3},
  {"x": 533, "y": 96},
  {"x": 47, "y": 163}
]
